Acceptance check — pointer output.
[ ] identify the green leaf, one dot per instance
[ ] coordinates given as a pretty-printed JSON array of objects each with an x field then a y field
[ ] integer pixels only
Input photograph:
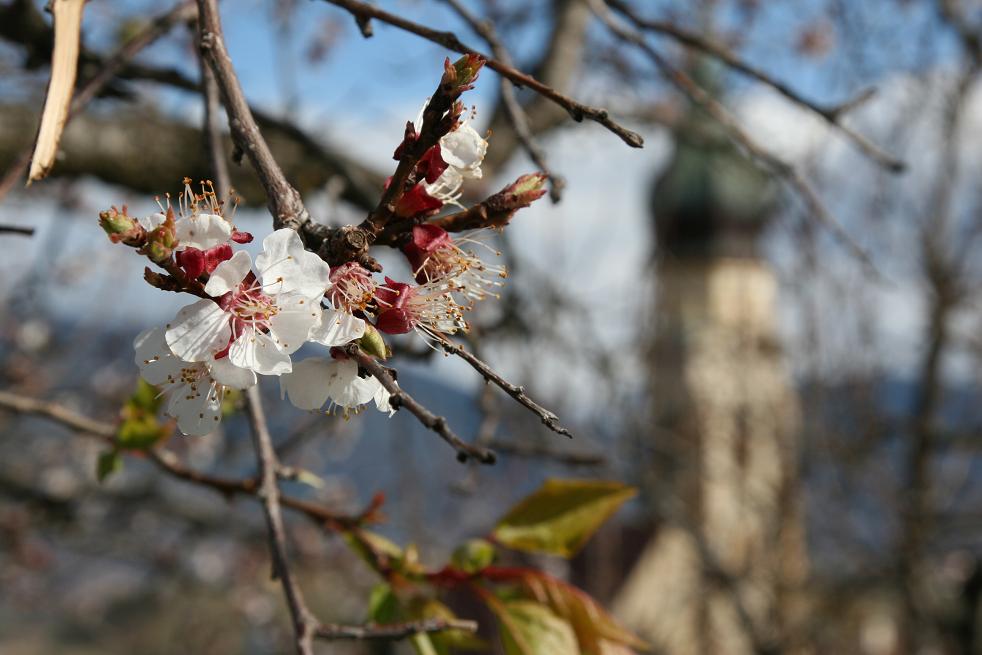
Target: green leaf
[
  {"x": 596, "y": 631},
  {"x": 423, "y": 645},
  {"x": 529, "y": 628},
  {"x": 140, "y": 428},
  {"x": 474, "y": 555},
  {"x": 370, "y": 547},
  {"x": 108, "y": 463},
  {"x": 561, "y": 516},
  {"x": 383, "y": 606},
  {"x": 231, "y": 402},
  {"x": 146, "y": 397}
]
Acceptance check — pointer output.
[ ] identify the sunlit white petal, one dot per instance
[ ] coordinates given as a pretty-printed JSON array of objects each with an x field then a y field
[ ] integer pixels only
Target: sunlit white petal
[
  {"x": 258, "y": 352},
  {"x": 202, "y": 231},
  {"x": 337, "y": 328},
  {"x": 229, "y": 274},
  {"x": 199, "y": 331}
]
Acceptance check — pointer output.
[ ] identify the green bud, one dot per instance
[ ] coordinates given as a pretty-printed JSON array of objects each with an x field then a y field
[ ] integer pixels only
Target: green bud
[
  {"x": 373, "y": 343},
  {"x": 461, "y": 74},
  {"x": 473, "y": 556},
  {"x": 118, "y": 225}
]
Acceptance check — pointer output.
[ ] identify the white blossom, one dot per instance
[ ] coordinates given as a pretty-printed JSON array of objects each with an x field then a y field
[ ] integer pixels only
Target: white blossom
[
  {"x": 261, "y": 321},
  {"x": 316, "y": 380},
  {"x": 195, "y": 389}
]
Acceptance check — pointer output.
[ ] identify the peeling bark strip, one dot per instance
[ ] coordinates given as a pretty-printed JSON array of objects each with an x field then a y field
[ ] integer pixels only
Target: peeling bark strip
[{"x": 64, "y": 67}]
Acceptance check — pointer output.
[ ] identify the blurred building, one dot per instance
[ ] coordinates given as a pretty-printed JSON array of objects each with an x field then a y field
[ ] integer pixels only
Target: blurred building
[{"x": 727, "y": 548}]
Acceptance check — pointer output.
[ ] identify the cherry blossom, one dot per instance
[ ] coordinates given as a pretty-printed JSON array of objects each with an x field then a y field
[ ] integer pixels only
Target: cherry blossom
[
  {"x": 435, "y": 255},
  {"x": 316, "y": 380},
  {"x": 429, "y": 309},
  {"x": 195, "y": 389},
  {"x": 260, "y": 320}
]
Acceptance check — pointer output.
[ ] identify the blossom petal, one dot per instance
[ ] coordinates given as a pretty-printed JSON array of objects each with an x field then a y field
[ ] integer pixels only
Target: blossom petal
[
  {"x": 381, "y": 399},
  {"x": 225, "y": 372},
  {"x": 152, "y": 221},
  {"x": 258, "y": 352},
  {"x": 346, "y": 388},
  {"x": 229, "y": 274},
  {"x": 308, "y": 384},
  {"x": 202, "y": 231},
  {"x": 293, "y": 320},
  {"x": 198, "y": 409},
  {"x": 337, "y": 328},
  {"x": 199, "y": 331},
  {"x": 287, "y": 267},
  {"x": 157, "y": 364},
  {"x": 464, "y": 149}
]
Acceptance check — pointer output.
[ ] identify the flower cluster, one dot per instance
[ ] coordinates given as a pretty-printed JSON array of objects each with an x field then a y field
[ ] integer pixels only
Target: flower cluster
[{"x": 251, "y": 317}]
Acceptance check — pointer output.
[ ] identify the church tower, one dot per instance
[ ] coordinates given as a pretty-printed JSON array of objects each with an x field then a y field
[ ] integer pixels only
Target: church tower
[{"x": 727, "y": 550}]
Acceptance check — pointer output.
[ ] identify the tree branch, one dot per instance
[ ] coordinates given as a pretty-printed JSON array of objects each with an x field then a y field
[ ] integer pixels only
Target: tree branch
[
  {"x": 399, "y": 398},
  {"x": 513, "y": 110},
  {"x": 831, "y": 114},
  {"x": 518, "y": 393},
  {"x": 304, "y": 623},
  {"x": 765, "y": 158},
  {"x": 449, "y": 40},
  {"x": 113, "y": 65},
  {"x": 282, "y": 199},
  {"x": 393, "y": 631}
]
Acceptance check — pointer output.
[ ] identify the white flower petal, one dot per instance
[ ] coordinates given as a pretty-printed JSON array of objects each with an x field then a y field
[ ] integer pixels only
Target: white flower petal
[
  {"x": 202, "y": 231},
  {"x": 150, "y": 222},
  {"x": 292, "y": 322},
  {"x": 225, "y": 372},
  {"x": 346, "y": 388},
  {"x": 464, "y": 149},
  {"x": 258, "y": 352},
  {"x": 308, "y": 384},
  {"x": 199, "y": 331},
  {"x": 287, "y": 267},
  {"x": 157, "y": 364},
  {"x": 337, "y": 328},
  {"x": 198, "y": 410},
  {"x": 229, "y": 274},
  {"x": 381, "y": 399}
]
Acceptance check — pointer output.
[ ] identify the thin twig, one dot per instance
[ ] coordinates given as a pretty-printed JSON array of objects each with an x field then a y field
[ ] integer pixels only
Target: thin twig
[
  {"x": 449, "y": 40},
  {"x": 304, "y": 623},
  {"x": 113, "y": 65},
  {"x": 542, "y": 451},
  {"x": 399, "y": 398},
  {"x": 17, "y": 229},
  {"x": 832, "y": 114},
  {"x": 518, "y": 393},
  {"x": 59, "y": 413},
  {"x": 765, "y": 158},
  {"x": 393, "y": 631},
  {"x": 513, "y": 109},
  {"x": 212, "y": 129},
  {"x": 282, "y": 199}
]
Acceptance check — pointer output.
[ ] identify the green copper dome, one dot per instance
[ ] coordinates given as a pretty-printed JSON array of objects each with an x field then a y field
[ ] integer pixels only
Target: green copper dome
[{"x": 710, "y": 200}]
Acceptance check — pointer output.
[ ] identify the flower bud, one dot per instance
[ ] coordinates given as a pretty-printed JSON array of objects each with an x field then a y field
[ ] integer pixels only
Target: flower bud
[
  {"x": 373, "y": 343},
  {"x": 521, "y": 193},
  {"x": 462, "y": 74},
  {"x": 118, "y": 226},
  {"x": 161, "y": 241}
]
